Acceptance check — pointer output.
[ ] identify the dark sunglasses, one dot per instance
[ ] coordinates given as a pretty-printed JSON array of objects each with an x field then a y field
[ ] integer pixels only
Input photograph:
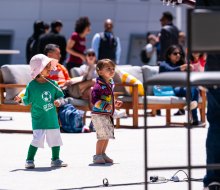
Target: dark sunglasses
[
  {"x": 176, "y": 53},
  {"x": 91, "y": 54}
]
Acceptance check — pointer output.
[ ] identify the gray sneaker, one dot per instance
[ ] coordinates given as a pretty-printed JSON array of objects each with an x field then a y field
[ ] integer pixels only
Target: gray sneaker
[
  {"x": 107, "y": 159},
  {"x": 58, "y": 163},
  {"x": 98, "y": 159},
  {"x": 29, "y": 164}
]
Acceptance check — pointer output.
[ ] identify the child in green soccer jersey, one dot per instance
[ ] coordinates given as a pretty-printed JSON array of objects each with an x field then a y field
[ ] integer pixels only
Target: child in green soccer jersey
[{"x": 44, "y": 96}]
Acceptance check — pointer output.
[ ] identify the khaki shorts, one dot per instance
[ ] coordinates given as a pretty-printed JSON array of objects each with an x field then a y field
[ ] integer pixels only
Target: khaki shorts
[
  {"x": 52, "y": 136},
  {"x": 104, "y": 126}
]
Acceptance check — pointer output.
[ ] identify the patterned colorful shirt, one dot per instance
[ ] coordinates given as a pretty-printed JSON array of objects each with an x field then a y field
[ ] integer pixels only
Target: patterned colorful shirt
[{"x": 102, "y": 96}]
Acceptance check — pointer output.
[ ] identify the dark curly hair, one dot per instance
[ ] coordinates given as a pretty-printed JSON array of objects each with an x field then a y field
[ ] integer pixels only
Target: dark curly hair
[{"x": 81, "y": 24}]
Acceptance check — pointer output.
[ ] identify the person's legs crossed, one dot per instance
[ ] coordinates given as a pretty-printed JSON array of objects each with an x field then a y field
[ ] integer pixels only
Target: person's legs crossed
[{"x": 182, "y": 92}]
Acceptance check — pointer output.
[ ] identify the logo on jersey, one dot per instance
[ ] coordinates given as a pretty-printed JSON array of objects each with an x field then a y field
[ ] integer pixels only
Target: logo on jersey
[{"x": 46, "y": 96}]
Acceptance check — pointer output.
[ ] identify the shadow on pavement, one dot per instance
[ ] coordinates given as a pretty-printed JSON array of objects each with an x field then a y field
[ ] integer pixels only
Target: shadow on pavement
[
  {"x": 39, "y": 169},
  {"x": 103, "y": 165}
]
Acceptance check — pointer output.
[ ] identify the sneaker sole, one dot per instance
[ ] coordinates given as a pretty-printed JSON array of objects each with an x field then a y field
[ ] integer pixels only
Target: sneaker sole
[
  {"x": 99, "y": 162},
  {"x": 59, "y": 166},
  {"x": 108, "y": 161}
]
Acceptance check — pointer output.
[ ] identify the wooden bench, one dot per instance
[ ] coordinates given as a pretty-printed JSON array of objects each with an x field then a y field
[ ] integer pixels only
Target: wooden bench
[
  {"x": 8, "y": 107},
  {"x": 133, "y": 104}
]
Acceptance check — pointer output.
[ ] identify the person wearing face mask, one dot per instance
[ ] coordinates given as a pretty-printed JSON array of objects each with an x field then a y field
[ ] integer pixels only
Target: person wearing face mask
[{"x": 106, "y": 44}]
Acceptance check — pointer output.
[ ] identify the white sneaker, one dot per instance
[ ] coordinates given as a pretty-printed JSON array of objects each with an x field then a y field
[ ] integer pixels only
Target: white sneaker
[
  {"x": 29, "y": 164},
  {"x": 119, "y": 114}
]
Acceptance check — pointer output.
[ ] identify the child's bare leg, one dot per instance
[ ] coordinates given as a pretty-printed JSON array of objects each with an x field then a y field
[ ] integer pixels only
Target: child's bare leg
[
  {"x": 105, "y": 146},
  {"x": 99, "y": 147},
  {"x": 98, "y": 159},
  {"x": 105, "y": 157}
]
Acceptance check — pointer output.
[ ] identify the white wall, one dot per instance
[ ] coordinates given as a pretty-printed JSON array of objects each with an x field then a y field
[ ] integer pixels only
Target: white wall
[{"x": 129, "y": 16}]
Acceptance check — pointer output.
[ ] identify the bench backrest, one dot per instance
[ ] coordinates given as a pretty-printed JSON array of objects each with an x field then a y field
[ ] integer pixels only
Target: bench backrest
[{"x": 14, "y": 74}]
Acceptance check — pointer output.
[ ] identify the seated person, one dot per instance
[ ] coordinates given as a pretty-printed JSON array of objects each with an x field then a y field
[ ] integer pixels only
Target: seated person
[
  {"x": 77, "y": 87},
  {"x": 174, "y": 62},
  {"x": 198, "y": 61}
]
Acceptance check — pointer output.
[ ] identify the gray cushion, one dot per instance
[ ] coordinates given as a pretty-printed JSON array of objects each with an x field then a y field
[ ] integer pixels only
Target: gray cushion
[
  {"x": 149, "y": 71},
  {"x": 150, "y": 99},
  {"x": 76, "y": 102},
  {"x": 157, "y": 99},
  {"x": 15, "y": 74},
  {"x": 135, "y": 71}
]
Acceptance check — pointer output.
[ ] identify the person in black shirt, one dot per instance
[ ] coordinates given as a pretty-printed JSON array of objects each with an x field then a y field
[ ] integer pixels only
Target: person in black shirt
[
  {"x": 32, "y": 42},
  {"x": 54, "y": 37},
  {"x": 169, "y": 34}
]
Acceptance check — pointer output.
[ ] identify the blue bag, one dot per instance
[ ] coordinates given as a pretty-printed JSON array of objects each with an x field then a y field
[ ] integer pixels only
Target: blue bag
[
  {"x": 71, "y": 118},
  {"x": 163, "y": 90}
]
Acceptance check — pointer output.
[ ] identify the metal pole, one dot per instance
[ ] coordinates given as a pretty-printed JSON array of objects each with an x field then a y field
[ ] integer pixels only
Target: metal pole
[
  {"x": 188, "y": 101},
  {"x": 145, "y": 137}
]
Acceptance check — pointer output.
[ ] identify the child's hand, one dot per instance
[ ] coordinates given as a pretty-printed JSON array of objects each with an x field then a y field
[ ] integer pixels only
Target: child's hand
[
  {"x": 57, "y": 103},
  {"x": 17, "y": 99},
  {"x": 118, "y": 103},
  {"x": 109, "y": 107}
]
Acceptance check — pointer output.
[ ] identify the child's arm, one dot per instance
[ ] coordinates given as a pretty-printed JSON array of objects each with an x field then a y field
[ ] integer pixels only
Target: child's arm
[
  {"x": 59, "y": 102},
  {"x": 18, "y": 99},
  {"x": 23, "y": 97}
]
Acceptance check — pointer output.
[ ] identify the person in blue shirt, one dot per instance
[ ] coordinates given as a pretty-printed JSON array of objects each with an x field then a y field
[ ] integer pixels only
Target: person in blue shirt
[
  {"x": 106, "y": 44},
  {"x": 175, "y": 62}
]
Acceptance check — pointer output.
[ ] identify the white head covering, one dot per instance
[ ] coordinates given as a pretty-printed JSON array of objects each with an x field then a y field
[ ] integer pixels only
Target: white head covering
[{"x": 39, "y": 62}]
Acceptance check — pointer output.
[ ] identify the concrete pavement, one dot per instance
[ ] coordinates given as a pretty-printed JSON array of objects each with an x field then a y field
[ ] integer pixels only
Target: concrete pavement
[{"x": 166, "y": 147}]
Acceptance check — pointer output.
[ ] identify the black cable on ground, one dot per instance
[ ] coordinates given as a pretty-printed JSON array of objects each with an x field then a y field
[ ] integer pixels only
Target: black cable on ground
[{"x": 153, "y": 180}]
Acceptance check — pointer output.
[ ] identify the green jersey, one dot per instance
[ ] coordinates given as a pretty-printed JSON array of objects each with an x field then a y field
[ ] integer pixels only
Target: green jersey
[{"x": 41, "y": 96}]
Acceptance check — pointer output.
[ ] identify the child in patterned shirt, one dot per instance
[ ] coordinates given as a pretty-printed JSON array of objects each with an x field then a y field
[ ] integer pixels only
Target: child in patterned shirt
[{"x": 103, "y": 109}]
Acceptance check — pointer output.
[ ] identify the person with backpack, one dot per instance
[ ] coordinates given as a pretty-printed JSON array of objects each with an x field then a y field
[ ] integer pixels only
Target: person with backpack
[{"x": 106, "y": 44}]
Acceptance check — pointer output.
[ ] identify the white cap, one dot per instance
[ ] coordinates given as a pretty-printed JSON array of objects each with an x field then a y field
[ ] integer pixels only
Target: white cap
[{"x": 39, "y": 62}]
